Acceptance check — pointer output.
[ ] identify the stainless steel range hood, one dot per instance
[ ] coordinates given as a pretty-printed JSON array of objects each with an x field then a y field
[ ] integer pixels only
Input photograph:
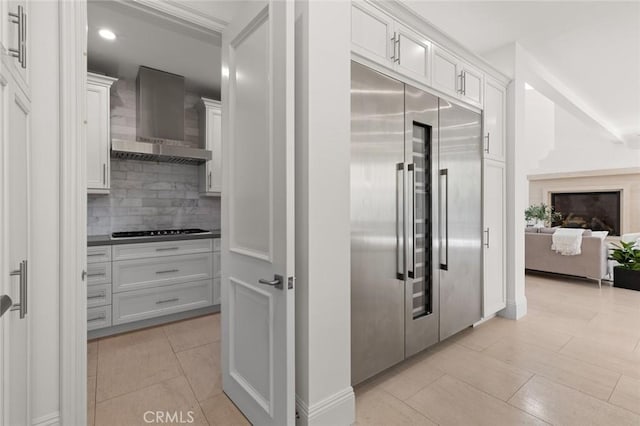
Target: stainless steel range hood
[{"x": 160, "y": 122}]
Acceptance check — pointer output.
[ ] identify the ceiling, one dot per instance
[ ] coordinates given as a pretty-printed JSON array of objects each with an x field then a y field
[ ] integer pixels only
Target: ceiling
[
  {"x": 151, "y": 40},
  {"x": 592, "y": 47}
]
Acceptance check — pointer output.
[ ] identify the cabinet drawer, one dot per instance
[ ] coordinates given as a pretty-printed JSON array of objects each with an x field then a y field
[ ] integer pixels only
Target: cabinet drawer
[
  {"x": 148, "y": 303},
  {"x": 99, "y": 317},
  {"x": 98, "y": 295},
  {"x": 98, "y": 273},
  {"x": 143, "y": 273},
  {"x": 97, "y": 254},
  {"x": 164, "y": 248}
]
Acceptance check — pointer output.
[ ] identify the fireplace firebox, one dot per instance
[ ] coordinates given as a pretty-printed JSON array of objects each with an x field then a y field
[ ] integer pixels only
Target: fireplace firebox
[{"x": 598, "y": 211}]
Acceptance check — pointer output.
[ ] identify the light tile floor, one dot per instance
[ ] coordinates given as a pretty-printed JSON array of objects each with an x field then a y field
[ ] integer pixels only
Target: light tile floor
[
  {"x": 173, "y": 368},
  {"x": 573, "y": 360}
]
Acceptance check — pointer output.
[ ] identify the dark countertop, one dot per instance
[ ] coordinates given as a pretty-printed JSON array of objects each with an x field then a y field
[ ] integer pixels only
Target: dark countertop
[{"x": 106, "y": 240}]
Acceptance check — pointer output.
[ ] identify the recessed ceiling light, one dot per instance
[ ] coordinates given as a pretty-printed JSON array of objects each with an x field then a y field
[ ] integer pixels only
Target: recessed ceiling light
[{"x": 107, "y": 34}]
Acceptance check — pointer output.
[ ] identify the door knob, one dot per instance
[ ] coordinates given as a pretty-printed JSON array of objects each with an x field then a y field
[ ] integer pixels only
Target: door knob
[{"x": 276, "y": 282}]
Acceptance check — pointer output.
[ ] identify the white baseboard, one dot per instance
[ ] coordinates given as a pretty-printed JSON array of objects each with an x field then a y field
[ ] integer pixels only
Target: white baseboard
[
  {"x": 337, "y": 410},
  {"x": 51, "y": 419},
  {"x": 514, "y": 310}
]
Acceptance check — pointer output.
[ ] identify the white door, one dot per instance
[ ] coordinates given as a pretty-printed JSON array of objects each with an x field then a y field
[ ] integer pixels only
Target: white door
[
  {"x": 494, "y": 238},
  {"x": 413, "y": 54},
  {"x": 445, "y": 71},
  {"x": 372, "y": 33},
  {"x": 472, "y": 85},
  {"x": 14, "y": 333},
  {"x": 97, "y": 134},
  {"x": 494, "y": 122},
  {"x": 258, "y": 212}
]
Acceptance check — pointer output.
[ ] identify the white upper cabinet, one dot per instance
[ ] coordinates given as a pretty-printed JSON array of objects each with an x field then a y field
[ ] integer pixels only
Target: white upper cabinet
[
  {"x": 454, "y": 77},
  {"x": 494, "y": 237},
  {"x": 371, "y": 33},
  {"x": 378, "y": 37},
  {"x": 98, "y": 133},
  {"x": 494, "y": 120},
  {"x": 211, "y": 139},
  {"x": 412, "y": 53},
  {"x": 14, "y": 33},
  {"x": 472, "y": 82},
  {"x": 445, "y": 71}
]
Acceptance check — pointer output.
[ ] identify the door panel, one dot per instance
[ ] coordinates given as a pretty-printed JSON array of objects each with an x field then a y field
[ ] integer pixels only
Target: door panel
[
  {"x": 258, "y": 212},
  {"x": 421, "y": 153},
  {"x": 494, "y": 124},
  {"x": 445, "y": 71},
  {"x": 371, "y": 33},
  {"x": 414, "y": 54},
  {"x": 461, "y": 218},
  {"x": 16, "y": 248},
  {"x": 494, "y": 238},
  {"x": 377, "y": 188},
  {"x": 472, "y": 85}
]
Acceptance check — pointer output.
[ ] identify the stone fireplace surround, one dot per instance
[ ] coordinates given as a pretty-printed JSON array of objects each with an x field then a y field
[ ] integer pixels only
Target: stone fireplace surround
[{"x": 627, "y": 181}]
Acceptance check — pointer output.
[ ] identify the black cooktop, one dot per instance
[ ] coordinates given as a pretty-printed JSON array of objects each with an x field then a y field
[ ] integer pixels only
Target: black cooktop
[{"x": 158, "y": 232}]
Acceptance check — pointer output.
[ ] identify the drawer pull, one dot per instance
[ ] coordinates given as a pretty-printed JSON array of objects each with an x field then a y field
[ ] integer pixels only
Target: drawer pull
[
  {"x": 167, "y": 248},
  {"x": 96, "y": 254},
  {"x": 98, "y": 296},
  {"x": 100, "y": 274},
  {"x": 168, "y": 271},
  {"x": 102, "y": 317},
  {"x": 175, "y": 299}
]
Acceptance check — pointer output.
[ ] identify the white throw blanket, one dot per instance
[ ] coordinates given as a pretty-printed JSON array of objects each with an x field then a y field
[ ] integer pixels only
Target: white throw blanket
[{"x": 567, "y": 241}]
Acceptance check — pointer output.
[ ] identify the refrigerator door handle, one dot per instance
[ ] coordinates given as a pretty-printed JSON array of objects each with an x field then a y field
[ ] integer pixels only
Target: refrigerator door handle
[
  {"x": 412, "y": 224},
  {"x": 444, "y": 219},
  {"x": 400, "y": 263}
]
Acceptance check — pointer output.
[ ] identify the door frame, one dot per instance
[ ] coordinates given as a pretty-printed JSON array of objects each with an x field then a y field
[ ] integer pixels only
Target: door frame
[{"x": 73, "y": 194}]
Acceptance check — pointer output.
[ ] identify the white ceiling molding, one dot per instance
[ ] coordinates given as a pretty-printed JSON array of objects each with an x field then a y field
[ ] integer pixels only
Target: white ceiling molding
[
  {"x": 410, "y": 17},
  {"x": 180, "y": 13},
  {"x": 550, "y": 86}
]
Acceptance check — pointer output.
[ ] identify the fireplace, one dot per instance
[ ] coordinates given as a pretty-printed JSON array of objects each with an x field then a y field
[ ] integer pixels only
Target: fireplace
[{"x": 598, "y": 211}]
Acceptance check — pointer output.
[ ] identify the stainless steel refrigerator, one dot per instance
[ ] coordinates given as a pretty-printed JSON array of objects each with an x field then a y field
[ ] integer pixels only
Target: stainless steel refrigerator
[{"x": 416, "y": 220}]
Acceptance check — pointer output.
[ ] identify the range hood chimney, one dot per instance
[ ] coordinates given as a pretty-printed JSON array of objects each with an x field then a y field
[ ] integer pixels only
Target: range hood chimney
[{"x": 159, "y": 122}]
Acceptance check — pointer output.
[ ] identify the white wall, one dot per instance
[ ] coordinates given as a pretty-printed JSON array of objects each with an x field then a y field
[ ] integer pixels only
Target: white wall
[
  {"x": 323, "y": 244},
  {"x": 578, "y": 147},
  {"x": 45, "y": 190},
  {"x": 539, "y": 128}
]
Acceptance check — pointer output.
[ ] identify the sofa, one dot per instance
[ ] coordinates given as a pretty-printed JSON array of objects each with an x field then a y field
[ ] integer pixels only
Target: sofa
[{"x": 591, "y": 263}]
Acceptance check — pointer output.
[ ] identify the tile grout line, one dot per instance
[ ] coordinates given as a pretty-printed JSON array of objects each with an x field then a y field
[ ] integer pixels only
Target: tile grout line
[
  {"x": 613, "y": 390},
  {"x": 410, "y": 407},
  {"x": 522, "y": 409}
]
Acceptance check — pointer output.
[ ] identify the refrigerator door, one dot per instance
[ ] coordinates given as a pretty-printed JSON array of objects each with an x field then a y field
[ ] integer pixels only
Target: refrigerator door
[
  {"x": 421, "y": 156},
  {"x": 377, "y": 230},
  {"x": 460, "y": 222}
]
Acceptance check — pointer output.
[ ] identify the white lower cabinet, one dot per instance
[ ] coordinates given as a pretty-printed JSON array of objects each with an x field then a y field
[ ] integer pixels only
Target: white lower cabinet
[
  {"x": 494, "y": 238},
  {"x": 139, "y": 281},
  {"x": 99, "y": 317},
  {"x": 153, "y": 302},
  {"x": 157, "y": 271}
]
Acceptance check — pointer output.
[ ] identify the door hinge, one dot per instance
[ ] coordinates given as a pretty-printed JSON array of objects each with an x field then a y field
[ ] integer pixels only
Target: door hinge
[{"x": 290, "y": 282}]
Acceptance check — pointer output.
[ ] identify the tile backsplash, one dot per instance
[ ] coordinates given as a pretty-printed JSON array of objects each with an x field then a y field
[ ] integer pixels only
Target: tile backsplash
[
  {"x": 146, "y": 194},
  {"x": 150, "y": 195}
]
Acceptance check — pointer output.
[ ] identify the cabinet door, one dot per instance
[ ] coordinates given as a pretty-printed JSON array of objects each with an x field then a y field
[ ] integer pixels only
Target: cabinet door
[
  {"x": 13, "y": 33},
  {"x": 97, "y": 139},
  {"x": 413, "y": 54},
  {"x": 445, "y": 71},
  {"x": 472, "y": 85},
  {"x": 494, "y": 120},
  {"x": 371, "y": 32},
  {"x": 214, "y": 144},
  {"x": 494, "y": 237}
]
